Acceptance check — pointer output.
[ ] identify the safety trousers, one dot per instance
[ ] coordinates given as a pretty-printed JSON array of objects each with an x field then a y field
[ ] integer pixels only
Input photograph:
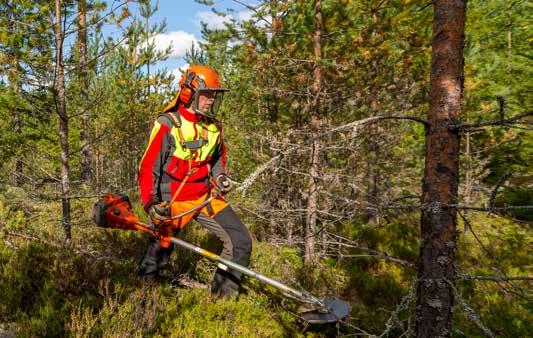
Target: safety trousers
[{"x": 237, "y": 247}]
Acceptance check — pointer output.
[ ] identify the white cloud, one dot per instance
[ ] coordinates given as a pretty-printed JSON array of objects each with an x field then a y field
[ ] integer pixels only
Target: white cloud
[
  {"x": 180, "y": 41},
  {"x": 212, "y": 20},
  {"x": 215, "y": 21},
  {"x": 244, "y": 15}
]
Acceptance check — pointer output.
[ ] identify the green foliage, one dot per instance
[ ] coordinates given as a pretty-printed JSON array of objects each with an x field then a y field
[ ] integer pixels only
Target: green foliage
[{"x": 375, "y": 61}]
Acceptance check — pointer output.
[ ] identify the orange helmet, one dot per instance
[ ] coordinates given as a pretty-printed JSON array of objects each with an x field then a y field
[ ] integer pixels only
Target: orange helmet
[{"x": 193, "y": 82}]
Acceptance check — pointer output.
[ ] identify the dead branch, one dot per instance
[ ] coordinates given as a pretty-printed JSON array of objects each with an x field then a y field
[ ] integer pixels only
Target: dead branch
[
  {"x": 342, "y": 241},
  {"x": 471, "y": 314},
  {"x": 393, "y": 320},
  {"x": 50, "y": 243},
  {"x": 352, "y": 125},
  {"x": 511, "y": 121},
  {"x": 494, "y": 278},
  {"x": 496, "y": 266},
  {"x": 494, "y": 192}
]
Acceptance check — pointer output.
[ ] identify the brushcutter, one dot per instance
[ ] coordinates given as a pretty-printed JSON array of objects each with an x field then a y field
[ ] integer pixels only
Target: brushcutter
[{"x": 114, "y": 211}]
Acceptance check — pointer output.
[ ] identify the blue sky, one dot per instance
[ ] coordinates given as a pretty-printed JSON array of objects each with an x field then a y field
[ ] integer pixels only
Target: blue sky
[{"x": 183, "y": 19}]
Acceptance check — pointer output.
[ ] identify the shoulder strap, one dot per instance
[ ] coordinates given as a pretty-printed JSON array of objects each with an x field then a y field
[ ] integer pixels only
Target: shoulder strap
[{"x": 174, "y": 117}]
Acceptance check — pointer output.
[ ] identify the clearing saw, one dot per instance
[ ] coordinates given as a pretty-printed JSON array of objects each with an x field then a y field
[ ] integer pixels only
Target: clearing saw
[{"x": 114, "y": 211}]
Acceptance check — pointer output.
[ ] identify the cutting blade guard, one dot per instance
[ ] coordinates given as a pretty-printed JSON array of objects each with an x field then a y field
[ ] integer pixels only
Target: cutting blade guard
[{"x": 333, "y": 311}]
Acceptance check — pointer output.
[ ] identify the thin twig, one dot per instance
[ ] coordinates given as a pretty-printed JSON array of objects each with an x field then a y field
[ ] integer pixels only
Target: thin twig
[{"x": 494, "y": 192}]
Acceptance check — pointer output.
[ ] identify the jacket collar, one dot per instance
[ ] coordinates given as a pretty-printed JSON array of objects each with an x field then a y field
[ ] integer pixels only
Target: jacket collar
[{"x": 191, "y": 117}]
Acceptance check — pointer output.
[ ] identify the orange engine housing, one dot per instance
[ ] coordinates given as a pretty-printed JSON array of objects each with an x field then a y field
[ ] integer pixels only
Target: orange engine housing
[{"x": 114, "y": 211}]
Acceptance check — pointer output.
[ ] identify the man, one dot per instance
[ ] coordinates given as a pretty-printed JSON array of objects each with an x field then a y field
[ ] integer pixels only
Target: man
[{"x": 184, "y": 166}]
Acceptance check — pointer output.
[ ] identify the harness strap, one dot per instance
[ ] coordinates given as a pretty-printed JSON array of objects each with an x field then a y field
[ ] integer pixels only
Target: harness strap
[
  {"x": 182, "y": 184},
  {"x": 174, "y": 117}
]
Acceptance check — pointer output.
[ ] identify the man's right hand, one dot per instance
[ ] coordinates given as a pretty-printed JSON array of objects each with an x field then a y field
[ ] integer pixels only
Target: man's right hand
[{"x": 159, "y": 213}]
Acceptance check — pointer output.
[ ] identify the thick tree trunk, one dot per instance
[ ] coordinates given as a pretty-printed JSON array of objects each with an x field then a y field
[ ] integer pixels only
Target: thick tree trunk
[
  {"x": 82, "y": 50},
  {"x": 312, "y": 201},
  {"x": 436, "y": 271},
  {"x": 63, "y": 120}
]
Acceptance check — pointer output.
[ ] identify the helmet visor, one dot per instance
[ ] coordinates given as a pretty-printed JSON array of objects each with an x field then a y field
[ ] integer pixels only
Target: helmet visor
[{"x": 208, "y": 101}]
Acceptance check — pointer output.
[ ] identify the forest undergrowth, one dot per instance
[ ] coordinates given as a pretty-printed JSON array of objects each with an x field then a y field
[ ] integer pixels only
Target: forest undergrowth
[{"x": 89, "y": 287}]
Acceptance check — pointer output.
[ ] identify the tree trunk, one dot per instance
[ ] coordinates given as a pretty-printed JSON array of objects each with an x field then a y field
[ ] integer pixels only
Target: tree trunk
[
  {"x": 63, "y": 120},
  {"x": 82, "y": 50},
  {"x": 13, "y": 76},
  {"x": 312, "y": 201},
  {"x": 436, "y": 271}
]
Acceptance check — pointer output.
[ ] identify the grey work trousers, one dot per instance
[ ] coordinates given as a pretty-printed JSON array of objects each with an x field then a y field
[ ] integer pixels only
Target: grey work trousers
[{"x": 237, "y": 247}]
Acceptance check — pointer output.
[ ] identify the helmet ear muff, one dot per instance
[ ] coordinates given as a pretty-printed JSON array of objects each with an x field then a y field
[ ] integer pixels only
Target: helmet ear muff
[
  {"x": 185, "y": 95},
  {"x": 187, "y": 88}
]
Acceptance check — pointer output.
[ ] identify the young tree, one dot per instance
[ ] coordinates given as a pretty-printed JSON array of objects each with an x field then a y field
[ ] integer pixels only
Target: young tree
[
  {"x": 60, "y": 102},
  {"x": 436, "y": 271},
  {"x": 84, "y": 84}
]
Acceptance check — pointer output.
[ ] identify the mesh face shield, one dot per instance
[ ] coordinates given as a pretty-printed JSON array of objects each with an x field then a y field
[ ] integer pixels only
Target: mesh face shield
[{"x": 216, "y": 94}]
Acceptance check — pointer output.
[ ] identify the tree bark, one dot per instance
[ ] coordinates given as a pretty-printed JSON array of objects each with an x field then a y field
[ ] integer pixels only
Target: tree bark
[
  {"x": 82, "y": 50},
  {"x": 312, "y": 201},
  {"x": 63, "y": 120},
  {"x": 436, "y": 271}
]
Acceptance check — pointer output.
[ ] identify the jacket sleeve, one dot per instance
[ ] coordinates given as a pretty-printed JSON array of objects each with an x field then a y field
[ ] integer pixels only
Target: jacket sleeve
[
  {"x": 219, "y": 158},
  {"x": 152, "y": 162}
]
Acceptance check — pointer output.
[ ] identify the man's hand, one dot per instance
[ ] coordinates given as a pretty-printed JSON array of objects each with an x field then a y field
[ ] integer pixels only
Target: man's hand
[
  {"x": 223, "y": 183},
  {"x": 159, "y": 213}
]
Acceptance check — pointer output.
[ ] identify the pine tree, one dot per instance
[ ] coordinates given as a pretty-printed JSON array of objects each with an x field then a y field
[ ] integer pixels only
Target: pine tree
[{"x": 436, "y": 269}]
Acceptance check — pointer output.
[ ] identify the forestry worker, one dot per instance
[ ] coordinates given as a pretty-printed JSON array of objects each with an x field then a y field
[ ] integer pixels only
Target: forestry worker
[{"x": 183, "y": 167}]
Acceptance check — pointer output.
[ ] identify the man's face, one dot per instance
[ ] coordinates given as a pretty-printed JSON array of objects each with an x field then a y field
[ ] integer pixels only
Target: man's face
[{"x": 205, "y": 100}]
